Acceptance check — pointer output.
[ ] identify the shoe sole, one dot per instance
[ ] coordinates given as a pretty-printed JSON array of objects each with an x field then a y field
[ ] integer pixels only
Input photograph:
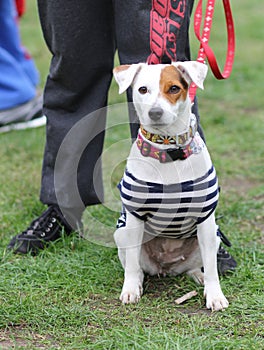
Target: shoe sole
[{"x": 34, "y": 123}]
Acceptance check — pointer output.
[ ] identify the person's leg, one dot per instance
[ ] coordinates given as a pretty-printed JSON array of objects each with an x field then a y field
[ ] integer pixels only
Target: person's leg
[
  {"x": 132, "y": 27},
  {"x": 18, "y": 74},
  {"x": 80, "y": 37},
  {"x": 15, "y": 87}
]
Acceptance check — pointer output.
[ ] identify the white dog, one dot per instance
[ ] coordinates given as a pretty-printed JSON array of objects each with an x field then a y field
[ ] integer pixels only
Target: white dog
[{"x": 169, "y": 189}]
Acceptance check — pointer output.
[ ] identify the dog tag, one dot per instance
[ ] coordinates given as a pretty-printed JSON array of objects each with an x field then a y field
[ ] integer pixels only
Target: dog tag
[{"x": 196, "y": 144}]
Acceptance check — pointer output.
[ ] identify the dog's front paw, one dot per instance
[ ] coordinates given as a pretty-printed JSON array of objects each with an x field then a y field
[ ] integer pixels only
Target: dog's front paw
[
  {"x": 131, "y": 292},
  {"x": 215, "y": 300}
]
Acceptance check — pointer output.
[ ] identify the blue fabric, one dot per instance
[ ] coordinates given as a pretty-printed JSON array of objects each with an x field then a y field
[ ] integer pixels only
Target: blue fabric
[{"x": 18, "y": 74}]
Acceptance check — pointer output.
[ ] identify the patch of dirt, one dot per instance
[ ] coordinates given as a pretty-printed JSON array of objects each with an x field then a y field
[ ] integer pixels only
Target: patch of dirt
[
  {"x": 19, "y": 336},
  {"x": 192, "y": 312},
  {"x": 238, "y": 184},
  {"x": 241, "y": 186}
]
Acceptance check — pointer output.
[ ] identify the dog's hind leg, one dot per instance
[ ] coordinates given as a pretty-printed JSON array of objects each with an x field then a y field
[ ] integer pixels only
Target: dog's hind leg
[
  {"x": 209, "y": 243},
  {"x": 128, "y": 240},
  {"x": 197, "y": 275}
]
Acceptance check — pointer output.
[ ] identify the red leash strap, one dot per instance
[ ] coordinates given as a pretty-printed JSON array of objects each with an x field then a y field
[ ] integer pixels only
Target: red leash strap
[
  {"x": 205, "y": 50},
  {"x": 20, "y": 5}
]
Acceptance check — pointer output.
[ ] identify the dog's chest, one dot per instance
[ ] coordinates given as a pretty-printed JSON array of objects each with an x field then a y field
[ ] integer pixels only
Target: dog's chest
[{"x": 170, "y": 210}]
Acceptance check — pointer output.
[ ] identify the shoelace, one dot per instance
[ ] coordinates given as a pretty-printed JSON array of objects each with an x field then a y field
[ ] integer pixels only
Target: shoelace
[
  {"x": 223, "y": 253},
  {"x": 44, "y": 224}
]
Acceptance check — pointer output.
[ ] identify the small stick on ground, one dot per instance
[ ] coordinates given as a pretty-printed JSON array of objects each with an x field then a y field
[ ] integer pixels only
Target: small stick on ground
[{"x": 185, "y": 297}]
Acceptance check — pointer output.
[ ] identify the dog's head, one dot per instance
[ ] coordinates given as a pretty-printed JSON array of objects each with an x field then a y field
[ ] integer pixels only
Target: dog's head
[{"x": 160, "y": 92}]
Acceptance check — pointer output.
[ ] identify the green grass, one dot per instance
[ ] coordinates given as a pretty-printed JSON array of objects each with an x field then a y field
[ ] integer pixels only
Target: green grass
[{"x": 67, "y": 297}]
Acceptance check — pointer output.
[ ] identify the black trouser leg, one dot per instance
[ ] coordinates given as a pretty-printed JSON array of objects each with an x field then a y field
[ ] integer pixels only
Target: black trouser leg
[{"x": 80, "y": 36}]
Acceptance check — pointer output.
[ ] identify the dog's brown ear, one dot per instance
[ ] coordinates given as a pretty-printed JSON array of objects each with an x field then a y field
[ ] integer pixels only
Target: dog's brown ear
[
  {"x": 192, "y": 71},
  {"x": 125, "y": 74}
]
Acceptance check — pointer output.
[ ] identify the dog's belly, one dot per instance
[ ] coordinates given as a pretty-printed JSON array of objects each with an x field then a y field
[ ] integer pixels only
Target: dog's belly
[{"x": 170, "y": 256}]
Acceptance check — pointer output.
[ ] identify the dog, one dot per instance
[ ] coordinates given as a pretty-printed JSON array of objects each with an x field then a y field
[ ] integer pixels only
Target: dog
[{"x": 169, "y": 189}]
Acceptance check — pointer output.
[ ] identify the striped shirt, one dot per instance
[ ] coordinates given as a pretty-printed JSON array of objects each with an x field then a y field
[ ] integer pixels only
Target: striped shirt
[{"x": 170, "y": 210}]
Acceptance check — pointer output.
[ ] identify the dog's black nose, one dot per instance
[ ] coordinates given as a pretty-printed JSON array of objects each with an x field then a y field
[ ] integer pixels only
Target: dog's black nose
[{"x": 155, "y": 113}]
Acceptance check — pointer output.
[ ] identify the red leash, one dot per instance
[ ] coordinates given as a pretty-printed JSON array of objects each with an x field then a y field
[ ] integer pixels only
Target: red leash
[
  {"x": 205, "y": 50},
  {"x": 20, "y": 5}
]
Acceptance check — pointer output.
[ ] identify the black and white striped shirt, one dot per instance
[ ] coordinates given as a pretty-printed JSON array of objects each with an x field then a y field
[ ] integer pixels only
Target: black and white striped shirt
[{"x": 170, "y": 210}]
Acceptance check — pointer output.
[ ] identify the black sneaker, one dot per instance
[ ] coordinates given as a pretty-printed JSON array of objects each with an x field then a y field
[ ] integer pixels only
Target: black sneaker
[
  {"x": 48, "y": 227},
  {"x": 225, "y": 262}
]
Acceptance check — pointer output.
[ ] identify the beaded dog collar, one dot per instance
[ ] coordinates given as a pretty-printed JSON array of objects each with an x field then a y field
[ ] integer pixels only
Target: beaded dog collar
[
  {"x": 164, "y": 156},
  {"x": 179, "y": 140},
  {"x": 187, "y": 143}
]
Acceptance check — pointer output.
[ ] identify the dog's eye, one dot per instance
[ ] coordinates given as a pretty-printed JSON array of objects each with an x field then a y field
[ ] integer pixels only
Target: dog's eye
[
  {"x": 143, "y": 90},
  {"x": 174, "y": 89}
]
